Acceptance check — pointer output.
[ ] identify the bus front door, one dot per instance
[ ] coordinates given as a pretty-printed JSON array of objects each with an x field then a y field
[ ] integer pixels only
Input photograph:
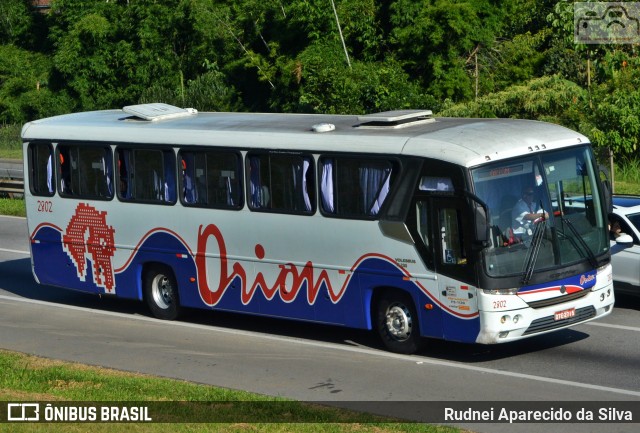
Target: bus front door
[{"x": 452, "y": 236}]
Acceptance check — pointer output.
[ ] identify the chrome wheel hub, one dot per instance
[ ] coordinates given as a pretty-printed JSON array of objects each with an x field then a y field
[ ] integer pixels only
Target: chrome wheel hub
[
  {"x": 162, "y": 291},
  {"x": 399, "y": 321}
]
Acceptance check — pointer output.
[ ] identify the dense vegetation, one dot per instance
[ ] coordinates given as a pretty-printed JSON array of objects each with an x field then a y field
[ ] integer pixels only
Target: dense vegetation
[{"x": 505, "y": 58}]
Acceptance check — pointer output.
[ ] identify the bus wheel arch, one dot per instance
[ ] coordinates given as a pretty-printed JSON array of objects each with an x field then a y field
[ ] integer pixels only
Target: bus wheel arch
[
  {"x": 160, "y": 289},
  {"x": 396, "y": 321}
]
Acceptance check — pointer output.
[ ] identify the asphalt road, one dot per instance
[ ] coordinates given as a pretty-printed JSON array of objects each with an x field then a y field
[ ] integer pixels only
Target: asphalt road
[{"x": 598, "y": 362}]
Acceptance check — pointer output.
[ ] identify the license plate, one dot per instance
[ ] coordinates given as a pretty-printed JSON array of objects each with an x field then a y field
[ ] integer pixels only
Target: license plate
[{"x": 564, "y": 314}]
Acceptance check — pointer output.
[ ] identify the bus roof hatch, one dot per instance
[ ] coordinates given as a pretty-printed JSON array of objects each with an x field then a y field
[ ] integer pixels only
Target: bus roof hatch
[
  {"x": 158, "y": 111},
  {"x": 395, "y": 119}
]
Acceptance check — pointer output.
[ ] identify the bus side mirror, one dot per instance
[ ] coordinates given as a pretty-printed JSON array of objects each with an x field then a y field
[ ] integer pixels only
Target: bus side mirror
[
  {"x": 607, "y": 189},
  {"x": 480, "y": 218},
  {"x": 608, "y": 196}
]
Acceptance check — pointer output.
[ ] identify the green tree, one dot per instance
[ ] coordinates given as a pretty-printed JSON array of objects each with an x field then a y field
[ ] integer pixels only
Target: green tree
[
  {"x": 610, "y": 73},
  {"x": 551, "y": 99},
  {"x": 615, "y": 122},
  {"x": 327, "y": 85},
  {"x": 109, "y": 52},
  {"x": 207, "y": 92},
  {"x": 360, "y": 22},
  {"x": 260, "y": 45},
  {"x": 24, "y": 87},
  {"x": 15, "y": 21},
  {"x": 434, "y": 38}
]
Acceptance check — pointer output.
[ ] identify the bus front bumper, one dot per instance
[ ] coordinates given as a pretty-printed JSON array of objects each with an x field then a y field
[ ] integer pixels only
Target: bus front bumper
[{"x": 505, "y": 326}]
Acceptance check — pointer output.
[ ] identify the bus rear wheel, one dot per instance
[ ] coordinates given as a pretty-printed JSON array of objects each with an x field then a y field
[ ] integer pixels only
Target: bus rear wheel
[
  {"x": 161, "y": 293},
  {"x": 397, "y": 323}
]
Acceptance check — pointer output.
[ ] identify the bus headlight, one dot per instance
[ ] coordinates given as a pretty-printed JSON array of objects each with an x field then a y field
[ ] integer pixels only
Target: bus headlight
[
  {"x": 507, "y": 318},
  {"x": 511, "y": 291}
]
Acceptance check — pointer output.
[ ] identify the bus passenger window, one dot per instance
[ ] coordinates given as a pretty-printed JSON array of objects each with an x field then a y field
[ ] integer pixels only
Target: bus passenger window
[
  {"x": 353, "y": 187},
  {"x": 210, "y": 178},
  {"x": 41, "y": 178},
  {"x": 146, "y": 175},
  {"x": 85, "y": 171},
  {"x": 281, "y": 182}
]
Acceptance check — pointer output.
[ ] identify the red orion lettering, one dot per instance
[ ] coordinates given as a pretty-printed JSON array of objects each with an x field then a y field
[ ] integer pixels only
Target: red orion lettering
[
  {"x": 586, "y": 279},
  {"x": 290, "y": 280}
]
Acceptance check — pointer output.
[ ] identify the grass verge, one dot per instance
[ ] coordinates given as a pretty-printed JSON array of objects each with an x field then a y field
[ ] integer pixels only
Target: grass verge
[
  {"x": 626, "y": 187},
  {"x": 12, "y": 206},
  {"x": 10, "y": 142},
  {"x": 27, "y": 378}
]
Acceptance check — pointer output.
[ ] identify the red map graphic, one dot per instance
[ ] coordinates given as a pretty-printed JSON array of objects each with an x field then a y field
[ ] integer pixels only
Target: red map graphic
[{"x": 88, "y": 232}]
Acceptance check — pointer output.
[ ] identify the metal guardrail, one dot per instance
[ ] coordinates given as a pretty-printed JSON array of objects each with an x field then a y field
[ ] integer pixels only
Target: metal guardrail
[{"x": 11, "y": 177}]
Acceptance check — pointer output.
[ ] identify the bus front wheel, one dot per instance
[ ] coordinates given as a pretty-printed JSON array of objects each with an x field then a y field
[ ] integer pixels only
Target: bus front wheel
[
  {"x": 161, "y": 293},
  {"x": 397, "y": 323}
]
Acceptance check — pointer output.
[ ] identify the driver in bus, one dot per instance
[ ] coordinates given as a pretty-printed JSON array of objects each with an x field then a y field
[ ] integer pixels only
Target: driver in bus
[{"x": 525, "y": 212}]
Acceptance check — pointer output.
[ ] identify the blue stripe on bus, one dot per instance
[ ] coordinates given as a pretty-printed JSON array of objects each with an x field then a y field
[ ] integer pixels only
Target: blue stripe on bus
[{"x": 374, "y": 271}]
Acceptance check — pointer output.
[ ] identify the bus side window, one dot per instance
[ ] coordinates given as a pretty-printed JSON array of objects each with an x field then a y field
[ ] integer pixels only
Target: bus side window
[
  {"x": 281, "y": 182},
  {"x": 41, "y": 170},
  {"x": 354, "y": 187},
  {"x": 210, "y": 178},
  {"x": 85, "y": 171},
  {"x": 147, "y": 175}
]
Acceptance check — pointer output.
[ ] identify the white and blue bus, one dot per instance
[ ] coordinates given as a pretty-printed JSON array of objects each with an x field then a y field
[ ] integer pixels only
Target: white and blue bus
[{"x": 397, "y": 222}]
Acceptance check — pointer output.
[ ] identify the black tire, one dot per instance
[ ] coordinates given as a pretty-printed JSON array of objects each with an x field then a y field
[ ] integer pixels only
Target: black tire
[
  {"x": 161, "y": 293},
  {"x": 397, "y": 323}
]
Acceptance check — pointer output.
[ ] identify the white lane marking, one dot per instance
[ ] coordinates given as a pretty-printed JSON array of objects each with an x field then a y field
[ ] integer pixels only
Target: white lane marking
[
  {"x": 609, "y": 325},
  {"x": 5, "y": 250},
  {"x": 13, "y": 217},
  {"x": 411, "y": 358}
]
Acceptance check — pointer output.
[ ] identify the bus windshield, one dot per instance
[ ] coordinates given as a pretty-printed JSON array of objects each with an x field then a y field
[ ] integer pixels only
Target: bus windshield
[{"x": 543, "y": 211}]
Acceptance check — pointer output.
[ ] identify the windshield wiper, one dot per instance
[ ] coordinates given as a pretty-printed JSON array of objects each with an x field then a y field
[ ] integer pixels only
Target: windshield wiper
[
  {"x": 532, "y": 253},
  {"x": 590, "y": 256}
]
